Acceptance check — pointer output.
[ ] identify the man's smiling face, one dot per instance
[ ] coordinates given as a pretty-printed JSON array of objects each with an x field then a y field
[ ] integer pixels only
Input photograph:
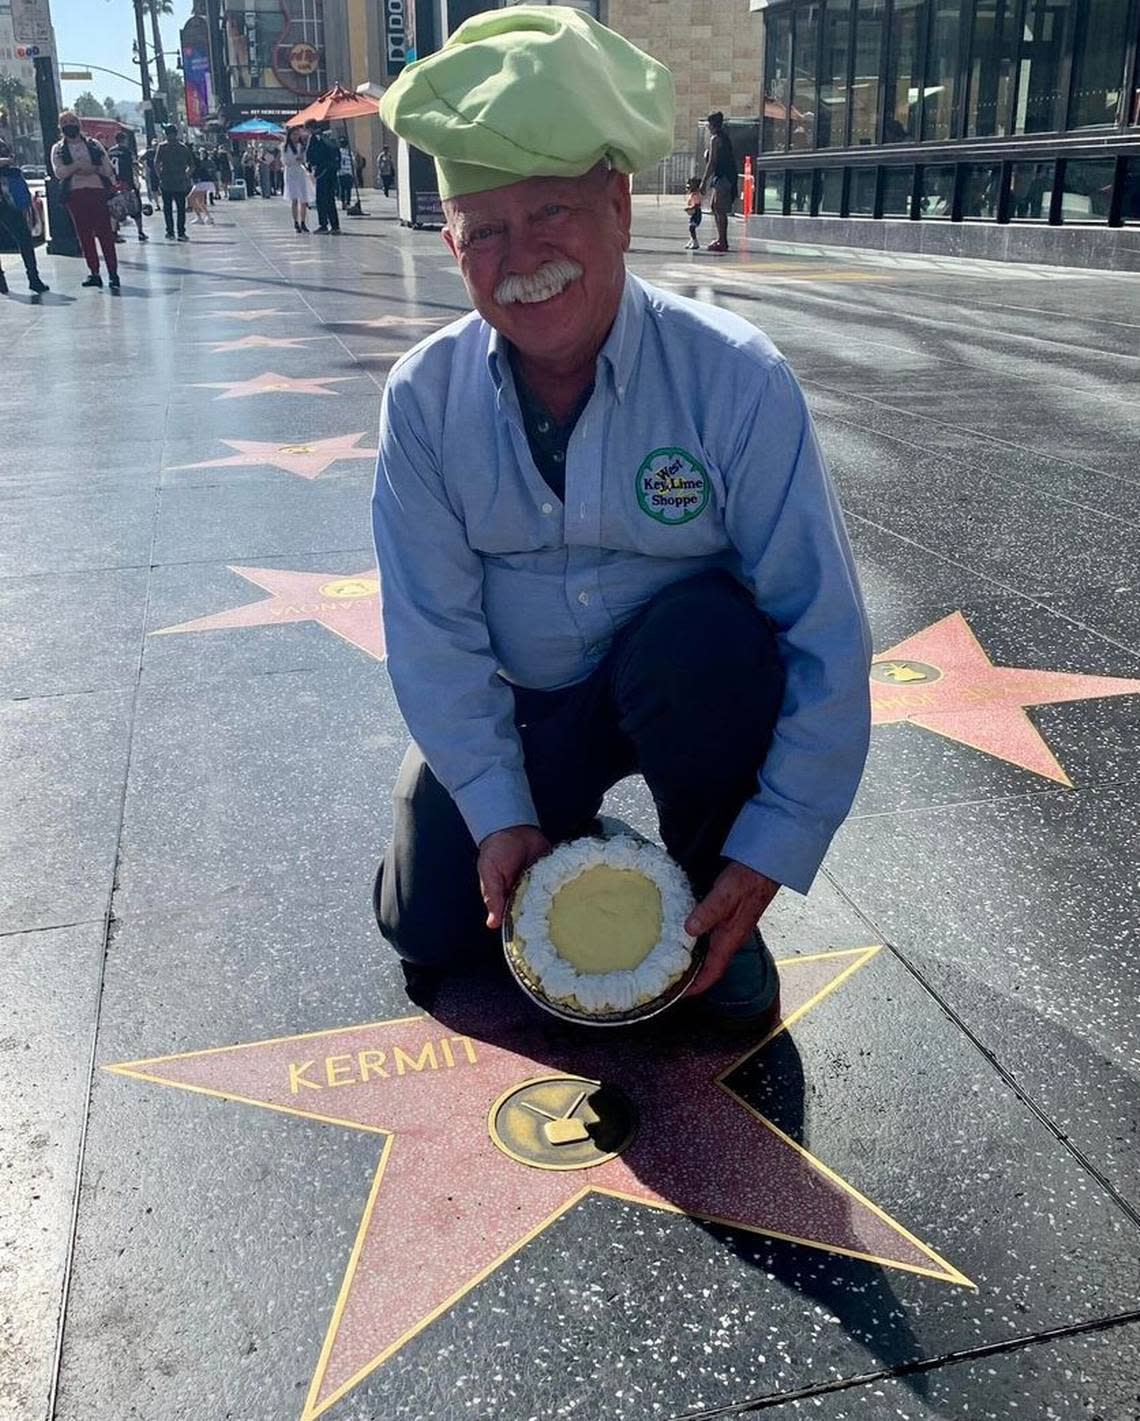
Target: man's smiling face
[{"x": 543, "y": 260}]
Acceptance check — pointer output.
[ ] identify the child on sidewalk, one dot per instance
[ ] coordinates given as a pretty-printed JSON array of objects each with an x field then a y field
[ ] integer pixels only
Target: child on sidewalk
[{"x": 693, "y": 208}]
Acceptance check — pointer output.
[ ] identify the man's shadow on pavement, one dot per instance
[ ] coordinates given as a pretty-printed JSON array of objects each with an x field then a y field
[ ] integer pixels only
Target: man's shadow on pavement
[{"x": 489, "y": 1007}]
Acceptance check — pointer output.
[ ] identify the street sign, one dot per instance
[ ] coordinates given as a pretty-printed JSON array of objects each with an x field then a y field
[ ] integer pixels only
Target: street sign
[
  {"x": 31, "y": 24},
  {"x": 75, "y": 76}
]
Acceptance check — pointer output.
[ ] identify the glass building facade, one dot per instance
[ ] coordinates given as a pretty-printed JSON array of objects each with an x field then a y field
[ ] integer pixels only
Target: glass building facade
[{"x": 952, "y": 110}]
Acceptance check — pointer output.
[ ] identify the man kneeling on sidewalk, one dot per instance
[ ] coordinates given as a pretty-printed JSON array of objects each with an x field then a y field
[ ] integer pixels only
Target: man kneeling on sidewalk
[{"x": 608, "y": 543}]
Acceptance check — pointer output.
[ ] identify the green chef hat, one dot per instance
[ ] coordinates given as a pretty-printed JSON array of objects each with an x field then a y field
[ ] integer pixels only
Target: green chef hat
[{"x": 532, "y": 91}]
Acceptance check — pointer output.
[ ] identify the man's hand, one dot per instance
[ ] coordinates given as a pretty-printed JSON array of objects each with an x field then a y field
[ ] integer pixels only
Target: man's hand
[
  {"x": 503, "y": 859},
  {"x": 728, "y": 914}
]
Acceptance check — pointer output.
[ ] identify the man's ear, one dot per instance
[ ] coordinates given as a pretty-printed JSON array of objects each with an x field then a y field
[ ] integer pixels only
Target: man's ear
[
  {"x": 618, "y": 189},
  {"x": 449, "y": 242}
]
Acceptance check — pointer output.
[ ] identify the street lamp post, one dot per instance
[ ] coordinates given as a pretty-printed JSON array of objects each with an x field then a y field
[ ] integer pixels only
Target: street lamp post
[{"x": 144, "y": 72}]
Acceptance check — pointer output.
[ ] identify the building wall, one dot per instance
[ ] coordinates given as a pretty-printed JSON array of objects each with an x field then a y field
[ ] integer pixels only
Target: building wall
[{"x": 713, "y": 48}]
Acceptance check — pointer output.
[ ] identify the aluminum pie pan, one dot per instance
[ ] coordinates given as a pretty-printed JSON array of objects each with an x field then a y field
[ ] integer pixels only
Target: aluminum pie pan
[{"x": 525, "y": 978}]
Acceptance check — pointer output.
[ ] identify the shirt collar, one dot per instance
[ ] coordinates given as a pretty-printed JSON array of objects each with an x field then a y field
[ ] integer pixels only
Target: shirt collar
[{"x": 618, "y": 354}]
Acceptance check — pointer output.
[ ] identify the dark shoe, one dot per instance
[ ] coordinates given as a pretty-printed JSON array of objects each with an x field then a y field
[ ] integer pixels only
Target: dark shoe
[
  {"x": 170, "y": 236},
  {"x": 143, "y": 237},
  {"x": 747, "y": 997},
  {"x": 113, "y": 281},
  {"x": 717, "y": 247},
  {"x": 120, "y": 240},
  {"x": 93, "y": 280},
  {"x": 182, "y": 237},
  {"x": 302, "y": 228},
  {"x": 3, "y": 284},
  {"x": 322, "y": 229},
  {"x": 296, "y": 226},
  {"x": 35, "y": 285}
]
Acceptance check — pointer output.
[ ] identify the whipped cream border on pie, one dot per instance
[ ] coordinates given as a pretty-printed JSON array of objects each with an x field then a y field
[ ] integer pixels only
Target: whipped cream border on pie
[{"x": 593, "y": 993}]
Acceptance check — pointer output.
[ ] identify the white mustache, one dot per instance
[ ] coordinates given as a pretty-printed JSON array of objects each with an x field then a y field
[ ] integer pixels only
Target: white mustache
[{"x": 549, "y": 280}]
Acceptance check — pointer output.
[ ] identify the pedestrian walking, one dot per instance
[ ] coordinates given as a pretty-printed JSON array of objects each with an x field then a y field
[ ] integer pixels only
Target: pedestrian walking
[
  {"x": 86, "y": 183},
  {"x": 202, "y": 189},
  {"x": 174, "y": 164},
  {"x": 125, "y": 164},
  {"x": 264, "y": 172},
  {"x": 360, "y": 166},
  {"x": 15, "y": 204},
  {"x": 720, "y": 173},
  {"x": 277, "y": 169},
  {"x": 323, "y": 161},
  {"x": 225, "y": 167},
  {"x": 298, "y": 180},
  {"x": 249, "y": 170},
  {"x": 385, "y": 169},
  {"x": 346, "y": 167},
  {"x": 152, "y": 191}
]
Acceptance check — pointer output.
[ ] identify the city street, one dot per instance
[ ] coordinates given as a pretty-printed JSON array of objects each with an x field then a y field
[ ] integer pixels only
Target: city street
[{"x": 245, "y": 1178}]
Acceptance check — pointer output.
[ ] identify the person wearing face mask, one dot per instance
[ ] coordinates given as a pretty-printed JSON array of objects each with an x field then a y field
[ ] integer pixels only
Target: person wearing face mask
[
  {"x": 87, "y": 180},
  {"x": 607, "y": 539},
  {"x": 15, "y": 200}
]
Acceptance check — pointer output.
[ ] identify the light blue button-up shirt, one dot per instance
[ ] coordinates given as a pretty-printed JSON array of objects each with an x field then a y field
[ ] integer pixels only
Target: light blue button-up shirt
[{"x": 694, "y": 451}]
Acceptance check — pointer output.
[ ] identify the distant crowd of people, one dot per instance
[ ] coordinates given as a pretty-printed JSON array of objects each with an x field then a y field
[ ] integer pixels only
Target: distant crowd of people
[{"x": 108, "y": 189}]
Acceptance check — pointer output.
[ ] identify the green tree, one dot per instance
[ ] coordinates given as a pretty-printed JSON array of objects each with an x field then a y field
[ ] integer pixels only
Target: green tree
[{"x": 88, "y": 106}]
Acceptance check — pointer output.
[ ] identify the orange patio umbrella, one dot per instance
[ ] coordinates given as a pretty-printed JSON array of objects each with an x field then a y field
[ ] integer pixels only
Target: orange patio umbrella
[{"x": 336, "y": 103}]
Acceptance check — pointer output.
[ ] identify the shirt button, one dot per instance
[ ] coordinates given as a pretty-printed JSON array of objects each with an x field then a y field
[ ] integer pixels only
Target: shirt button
[
  {"x": 544, "y": 426},
  {"x": 558, "y": 456},
  {"x": 548, "y": 508},
  {"x": 584, "y": 598}
]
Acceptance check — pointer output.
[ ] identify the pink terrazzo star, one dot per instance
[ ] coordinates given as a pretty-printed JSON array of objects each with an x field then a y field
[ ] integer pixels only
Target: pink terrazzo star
[
  {"x": 346, "y": 605},
  {"x": 262, "y": 315},
  {"x": 270, "y": 383},
  {"x": 306, "y": 460},
  {"x": 942, "y": 680},
  {"x": 448, "y": 1204},
  {"x": 256, "y": 342},
  {"x": 385, "y": 323}
]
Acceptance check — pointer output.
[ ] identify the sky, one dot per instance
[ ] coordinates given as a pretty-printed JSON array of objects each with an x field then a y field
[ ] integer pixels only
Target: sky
[{"x": 100, "y": 32}]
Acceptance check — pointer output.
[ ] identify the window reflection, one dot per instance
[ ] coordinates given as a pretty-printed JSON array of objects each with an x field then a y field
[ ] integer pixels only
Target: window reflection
[
  {"x": 1130, "y": 196},
  {"x": 1098, "y": 64},
  {"x": 1086, "y": 191},
  {"x": 1040, "y": 90},
  {"x": 937, "y": 197},
  {"x": 777, "y": 81},
  {"x": 861, "y": 202},
  {"x": 941, "y": 88},
  {"x": 1030, "y": 188},
  {"x": 897, "y": 186},
  {"x": 803, "y": 84},
  {"x": 993, "y": 51},
  {"x": 832, "y": 122},
  {"x": 865, "y": 90},
  {"x": 904, "y": 80},
  {"x": 831, "y": 192},
  {"x": 981, "y": 183}
]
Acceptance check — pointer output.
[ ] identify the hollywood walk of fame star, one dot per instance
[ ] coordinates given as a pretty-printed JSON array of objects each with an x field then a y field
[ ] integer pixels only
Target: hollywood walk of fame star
[
  {"x": 263, "y": 315},
  {"x": 307, "y": 461},
  {"x": 235, "y": 294},
  {"x": 256, "y": 342},
  {"x": 942, "y": 680},
  {"x": 346, "y": 605},
  {"x": 384, "y": 323},
  {"x": 270, "y": 383},
  {"x": 453, "y": 1196}
]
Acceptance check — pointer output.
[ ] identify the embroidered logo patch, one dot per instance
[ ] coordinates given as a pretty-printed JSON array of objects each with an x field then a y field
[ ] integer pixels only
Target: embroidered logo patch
[{"x": 672, "y": 486}]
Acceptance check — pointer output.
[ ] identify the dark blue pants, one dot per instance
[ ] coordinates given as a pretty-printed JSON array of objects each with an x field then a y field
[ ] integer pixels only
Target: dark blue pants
[{"x": 687, "y": 696}]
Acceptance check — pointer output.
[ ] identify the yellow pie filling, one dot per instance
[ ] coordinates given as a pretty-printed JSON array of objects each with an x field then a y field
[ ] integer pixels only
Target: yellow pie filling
[{"x": 606, "y": 919}]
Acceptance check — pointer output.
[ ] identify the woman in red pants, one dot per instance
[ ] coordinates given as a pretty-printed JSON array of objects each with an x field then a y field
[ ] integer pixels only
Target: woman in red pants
[{"x": 87, "y": 179}]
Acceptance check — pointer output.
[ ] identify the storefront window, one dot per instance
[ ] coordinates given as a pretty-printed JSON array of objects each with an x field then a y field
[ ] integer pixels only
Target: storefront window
[
  {"x": 981, "y": 183},
  {"x": 942, "y": 68},
  {"x": 831, "y": 192},
  {"x": 1040, "y": 91},
  {"x": 861, "y": 202},
  {"x": 799, "y": 192},
  {"x": 803, "y": 83},
  {"x": 777, "y": 81},
  {"x": 898, "y": 184},
  {"x": 904, "y": 78},
  {"x": 993, "y": 51},
  {"x": 1087, "y": 189},
  {"x": 865, "y": 90},
  {"x": 1098, "y": 65},
  {"x": 831, "y": 126},
  {"x": 937, "y": 199},
  {"x": 1030, "y": 188},
  {"x": 1130, "y": 196}
]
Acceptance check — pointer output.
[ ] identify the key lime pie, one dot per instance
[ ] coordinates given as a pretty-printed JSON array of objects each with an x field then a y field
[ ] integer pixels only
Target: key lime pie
[{"x": 598, "y": 929}]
